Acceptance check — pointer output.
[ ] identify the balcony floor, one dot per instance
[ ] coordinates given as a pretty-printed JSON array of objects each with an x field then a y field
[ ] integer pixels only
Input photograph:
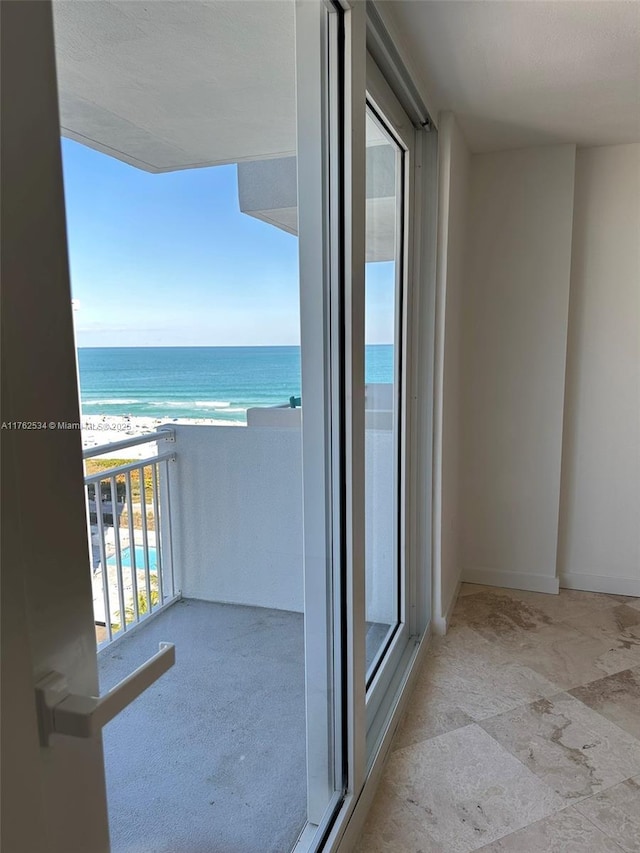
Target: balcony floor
[{"x": 210, "y": 759}]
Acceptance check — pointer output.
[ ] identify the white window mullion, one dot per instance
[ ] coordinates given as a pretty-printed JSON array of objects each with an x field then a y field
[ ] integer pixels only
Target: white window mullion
[
  {"x": 313, "y": 29},
  {"x": 354, "y": 303}
]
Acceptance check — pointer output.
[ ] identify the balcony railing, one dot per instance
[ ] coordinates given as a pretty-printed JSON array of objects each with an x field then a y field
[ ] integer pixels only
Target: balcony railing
[
  {"x": 129, "y": 520},
  {"x": 224, "y": 522}
]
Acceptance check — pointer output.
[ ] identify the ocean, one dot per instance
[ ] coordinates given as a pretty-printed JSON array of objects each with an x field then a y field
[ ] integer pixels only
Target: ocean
[{"x": 199, "y": 382}]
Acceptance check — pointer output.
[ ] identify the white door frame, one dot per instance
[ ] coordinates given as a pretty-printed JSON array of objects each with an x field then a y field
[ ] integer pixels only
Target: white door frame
[
  {"x": 367, "y": 759},
  {"x": 57, "y": 616},
  {"x": 316, "y": 29}
]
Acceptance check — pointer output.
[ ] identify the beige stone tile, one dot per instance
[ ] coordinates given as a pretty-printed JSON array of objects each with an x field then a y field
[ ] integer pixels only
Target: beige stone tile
[
  {"x": 574, "y": 750},
  {"x": 392, "y": 827},
  {"x": 623, "y": 653},
  {"x": 563, "y": 654},
  {"x": 607, "y": 623},
  {"x": 555, "y": 650},
  {"x": 574, "y": 601},
  {"x": 577, "y": 661},
  {"x": 465, "y": 679},
  {"x": 447, "y": 789},
  {"x": 457, "y": 791},
  {"x": 533, "y": 607},
  {"x": 497, "y": 614},
  {"x": 619, "y": 628},
  {"x": 616, "y": 697},
  {"x": 565, "y": 832},
  {"x": 566, "y": 655},
  {"x": 432, "y": 711},
  {"x": 617, "y": 813},
  {"x": 547, "y": 633},
  {"x": 473, "y": 588},
  {"x": 459, "y": 640}
]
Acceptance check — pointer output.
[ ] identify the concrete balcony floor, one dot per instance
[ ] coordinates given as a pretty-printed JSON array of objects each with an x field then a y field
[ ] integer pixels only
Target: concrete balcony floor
[{"x": 210, "y": 759}]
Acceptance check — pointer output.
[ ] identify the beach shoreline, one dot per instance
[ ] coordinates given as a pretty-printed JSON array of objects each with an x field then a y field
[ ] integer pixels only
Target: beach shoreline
[{"x": 101, "y": 430}]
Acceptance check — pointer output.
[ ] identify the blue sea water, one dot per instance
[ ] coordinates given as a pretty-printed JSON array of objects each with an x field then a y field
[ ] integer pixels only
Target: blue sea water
[{"x": 199, "y": 382}]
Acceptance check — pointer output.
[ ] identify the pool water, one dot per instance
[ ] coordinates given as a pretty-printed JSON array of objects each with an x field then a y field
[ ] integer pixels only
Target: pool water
[{"x": 139, "y": 558}]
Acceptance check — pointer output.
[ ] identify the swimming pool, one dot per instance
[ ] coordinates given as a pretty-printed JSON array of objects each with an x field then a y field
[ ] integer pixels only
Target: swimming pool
[{"x": 139, "y": 558}]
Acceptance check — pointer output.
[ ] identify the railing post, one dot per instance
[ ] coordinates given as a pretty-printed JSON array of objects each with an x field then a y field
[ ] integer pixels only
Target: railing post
[{"x": 164, "y": 511}]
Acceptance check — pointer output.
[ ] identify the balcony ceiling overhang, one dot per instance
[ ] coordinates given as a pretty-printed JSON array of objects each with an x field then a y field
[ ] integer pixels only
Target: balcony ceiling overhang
[
  {"x": 267, "y": 190},
  {"x": 169, "y": 84}
]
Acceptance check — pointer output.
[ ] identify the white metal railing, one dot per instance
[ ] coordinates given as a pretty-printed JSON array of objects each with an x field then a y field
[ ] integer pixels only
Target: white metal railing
[{"x": 129, "y": 522}]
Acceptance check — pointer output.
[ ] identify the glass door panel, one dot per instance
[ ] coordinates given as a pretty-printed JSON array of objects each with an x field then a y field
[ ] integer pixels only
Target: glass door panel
[
  {"x": 383, "y": 386},
  {"x": 201, "y": 339}
]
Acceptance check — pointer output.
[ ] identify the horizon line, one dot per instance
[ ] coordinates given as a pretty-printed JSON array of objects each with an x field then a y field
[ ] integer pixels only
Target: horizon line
[{"x": 208, "y": 346}]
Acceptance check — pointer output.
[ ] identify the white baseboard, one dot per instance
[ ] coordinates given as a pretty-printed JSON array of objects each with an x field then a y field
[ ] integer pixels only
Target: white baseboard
[
  {"x": 512, "y": 580},
  {"x": 440, "y": 623},
  {"x": 600, "y": 583}
]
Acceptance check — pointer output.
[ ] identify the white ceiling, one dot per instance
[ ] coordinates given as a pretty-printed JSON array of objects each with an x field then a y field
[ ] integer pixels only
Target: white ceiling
[
  {"x": 526, "y": 72},
  {"x": 169, "y": 84}
]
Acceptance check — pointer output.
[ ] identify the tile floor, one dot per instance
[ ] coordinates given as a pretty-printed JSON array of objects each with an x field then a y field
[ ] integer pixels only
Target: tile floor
[{"x": 523, "y": 733}]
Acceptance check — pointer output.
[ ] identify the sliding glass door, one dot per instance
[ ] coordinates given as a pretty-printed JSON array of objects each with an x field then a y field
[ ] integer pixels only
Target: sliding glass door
[
  {"x": 383, "y": 387},
  {"x": 203, "y": 208},
  {"x": 290, "y": 531},
  {"x": 388, "y": 141}
]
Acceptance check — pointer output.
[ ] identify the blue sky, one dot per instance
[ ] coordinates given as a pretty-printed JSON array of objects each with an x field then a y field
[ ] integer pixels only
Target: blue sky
[{"x": 169, "y": 260}]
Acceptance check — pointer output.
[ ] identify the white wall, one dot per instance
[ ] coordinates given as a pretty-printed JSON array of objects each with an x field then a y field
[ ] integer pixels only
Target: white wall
[
  {"x": 236, "y": 505},
  {"x": 274, "y": 417},
  {"x": 599, "y": 546},
  {"x": 514, "y": 328},
  {"x": 454, "y": 163}
]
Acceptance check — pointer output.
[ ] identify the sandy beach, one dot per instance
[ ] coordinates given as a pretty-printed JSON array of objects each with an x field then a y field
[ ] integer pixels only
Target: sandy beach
[{"x": 99, "y": 430}]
